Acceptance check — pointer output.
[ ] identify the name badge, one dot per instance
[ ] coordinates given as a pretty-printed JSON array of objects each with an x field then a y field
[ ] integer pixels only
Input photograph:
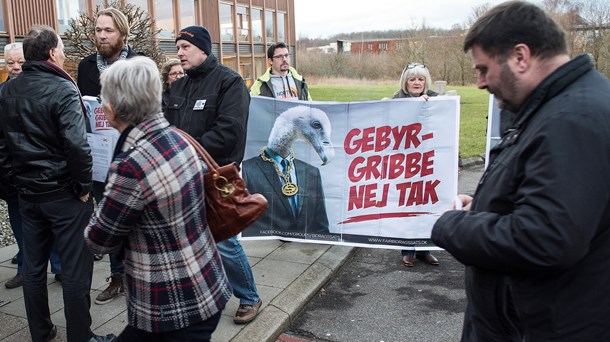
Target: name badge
[{"x": 199, "y": 104}]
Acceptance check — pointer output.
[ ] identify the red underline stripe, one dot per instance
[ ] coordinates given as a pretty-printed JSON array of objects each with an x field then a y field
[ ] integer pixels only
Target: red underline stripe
[{"x": 372, "y": 217}]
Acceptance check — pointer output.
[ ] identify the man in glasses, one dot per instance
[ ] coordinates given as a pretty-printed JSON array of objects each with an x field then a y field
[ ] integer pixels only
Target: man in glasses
[
  {"x": 281, "y": 80},
  {"x": 111, "y": 33}
]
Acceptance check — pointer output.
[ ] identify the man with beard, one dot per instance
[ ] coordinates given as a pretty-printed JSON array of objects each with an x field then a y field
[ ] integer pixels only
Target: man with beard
[
  {"x": 111, "y": 33},
  {"x": 535, "y": 238},
  {"x": 281, "y": 80}
]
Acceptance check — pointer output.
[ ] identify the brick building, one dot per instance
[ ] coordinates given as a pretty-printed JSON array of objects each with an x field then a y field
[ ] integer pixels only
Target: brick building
[{"x": 241, "y": 30}]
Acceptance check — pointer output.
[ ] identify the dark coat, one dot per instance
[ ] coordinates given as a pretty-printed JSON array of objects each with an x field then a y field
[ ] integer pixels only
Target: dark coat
[
  {"x": 537, "y": 240},
  {"x": 43, "y": 145},
  {"x": 261, "y": 177},
  {"x": 88, "y": 75},
  {"x": 219, "y": 121},
  {"x": 401, "y": 94}
]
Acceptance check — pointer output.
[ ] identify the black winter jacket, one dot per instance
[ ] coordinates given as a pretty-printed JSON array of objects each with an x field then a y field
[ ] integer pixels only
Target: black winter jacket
[
  {"x": 537, "y": 240},
  {"x": 43, "y": 144},
  {"x": 88, "y": 75},
  {"x": 211, "y": 103}
]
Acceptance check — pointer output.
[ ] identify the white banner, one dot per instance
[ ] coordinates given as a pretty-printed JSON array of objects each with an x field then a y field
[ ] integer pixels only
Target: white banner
[{"x": 375, "y": 173}]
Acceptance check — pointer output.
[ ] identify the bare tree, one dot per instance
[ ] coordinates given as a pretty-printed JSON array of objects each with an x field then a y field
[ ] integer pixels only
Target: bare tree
[
  {"x": 142, "y": 37},
  {"x": 596, "y": 30}
]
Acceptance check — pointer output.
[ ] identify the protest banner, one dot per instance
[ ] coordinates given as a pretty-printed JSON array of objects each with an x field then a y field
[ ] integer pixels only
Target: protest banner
[
  {"x": 376, "y": 173},
  {"x": 101, "y": 137}
]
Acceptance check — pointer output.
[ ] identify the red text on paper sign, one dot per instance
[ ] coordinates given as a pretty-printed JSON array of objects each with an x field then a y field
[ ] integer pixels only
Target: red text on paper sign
[
  {"x": 390, "y": 163},
  {"x": 100, "y": 119}
]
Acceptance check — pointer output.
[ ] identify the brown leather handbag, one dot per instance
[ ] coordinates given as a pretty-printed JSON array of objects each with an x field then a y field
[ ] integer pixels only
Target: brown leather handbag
[{"x": 230, "y": 208}]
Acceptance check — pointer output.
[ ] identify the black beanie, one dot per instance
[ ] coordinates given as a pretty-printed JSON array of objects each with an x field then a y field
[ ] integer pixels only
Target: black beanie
[{"x": 198, "y": 36}]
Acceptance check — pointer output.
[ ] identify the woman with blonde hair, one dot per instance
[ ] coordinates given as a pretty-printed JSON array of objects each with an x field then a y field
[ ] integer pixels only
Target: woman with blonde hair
[
  {"x": 415, "y": 82},
  {"x": 170, "y": 72}
]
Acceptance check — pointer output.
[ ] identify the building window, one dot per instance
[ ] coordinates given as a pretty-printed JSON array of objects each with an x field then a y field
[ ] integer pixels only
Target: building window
[
  {"x": 243, "y": 30},
  {"x": 230, "y": 62},
  {"x": 370, "y": 47},
  {"x": 187, "y": 13},
  {"x": 269, "y": 31},
  {"x": 260, "y": 65},
  {"x": 281, "y": 27},
  {"x": 257, "y": 25},
  {"x": 383, "y": 46},
  {"x": 164, "y": 12},
  {"x": 2, "y": 17},
  {"x": 226, "y": 22},
  {"x": 66, "y": 10},
  {"x": 245, "y": 69}
]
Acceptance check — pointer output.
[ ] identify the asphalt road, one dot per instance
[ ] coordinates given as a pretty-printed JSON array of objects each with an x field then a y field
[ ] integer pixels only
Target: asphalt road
[{"x": 375, "y": 298}]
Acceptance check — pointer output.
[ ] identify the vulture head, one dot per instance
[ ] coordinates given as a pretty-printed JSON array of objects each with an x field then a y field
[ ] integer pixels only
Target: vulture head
[{"x": 309, "y": 124}]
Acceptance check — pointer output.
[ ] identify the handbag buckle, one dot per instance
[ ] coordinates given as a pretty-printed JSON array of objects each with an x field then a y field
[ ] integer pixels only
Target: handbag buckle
[{"x": 226, "y": 189}]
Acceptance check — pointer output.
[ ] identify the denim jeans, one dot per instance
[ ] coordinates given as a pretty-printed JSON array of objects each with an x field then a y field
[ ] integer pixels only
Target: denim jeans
[
  {"x": 16, "y": 222},
  {"x": 239, "y": 271}
]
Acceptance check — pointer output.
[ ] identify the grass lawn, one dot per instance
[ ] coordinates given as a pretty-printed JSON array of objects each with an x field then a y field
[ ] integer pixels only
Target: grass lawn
[{"x": 473, "y": 107}]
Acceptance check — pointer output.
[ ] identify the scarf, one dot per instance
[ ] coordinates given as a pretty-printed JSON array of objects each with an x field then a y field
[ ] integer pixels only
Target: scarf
[{"x": 102, "y": 64}]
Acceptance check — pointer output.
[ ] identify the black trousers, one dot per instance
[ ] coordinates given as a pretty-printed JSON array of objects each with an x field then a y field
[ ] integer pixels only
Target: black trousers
[
  {"x": 62, "y": 221},
  {"x": 199, "y": 332}
]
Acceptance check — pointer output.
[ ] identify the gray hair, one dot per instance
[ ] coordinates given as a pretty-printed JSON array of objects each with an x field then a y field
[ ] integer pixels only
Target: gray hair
[
  {"x": 133, "y": 88},
  {"x": 12, "y": 46},
  {"x": 415, "y": 69}
]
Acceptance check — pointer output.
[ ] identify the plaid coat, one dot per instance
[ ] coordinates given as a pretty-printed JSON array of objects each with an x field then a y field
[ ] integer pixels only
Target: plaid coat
[{"x": 154, "y": 202}]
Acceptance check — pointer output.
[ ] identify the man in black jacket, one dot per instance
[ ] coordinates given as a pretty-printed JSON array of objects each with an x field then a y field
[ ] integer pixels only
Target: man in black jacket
[
  {"x": 211, "y": 103},
  {"x": 111, "y": 33},
  {"x": 45, "y": 154},
  {"x": 536, "y": 237}
]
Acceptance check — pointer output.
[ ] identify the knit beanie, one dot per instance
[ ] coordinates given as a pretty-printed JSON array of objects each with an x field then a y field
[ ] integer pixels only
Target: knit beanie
[{"x": 198, "y": 36}]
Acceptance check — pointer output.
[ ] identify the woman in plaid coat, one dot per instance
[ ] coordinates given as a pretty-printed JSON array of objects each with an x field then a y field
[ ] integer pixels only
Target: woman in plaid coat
[{"x": 153, "y": 206}]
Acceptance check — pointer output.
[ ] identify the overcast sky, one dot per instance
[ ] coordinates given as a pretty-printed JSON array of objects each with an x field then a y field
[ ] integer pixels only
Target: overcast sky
[{"x": 324, "y": 18}]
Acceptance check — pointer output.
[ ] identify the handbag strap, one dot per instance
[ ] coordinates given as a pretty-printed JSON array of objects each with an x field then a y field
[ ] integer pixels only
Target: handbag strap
[{"x": 207, "y": 159}]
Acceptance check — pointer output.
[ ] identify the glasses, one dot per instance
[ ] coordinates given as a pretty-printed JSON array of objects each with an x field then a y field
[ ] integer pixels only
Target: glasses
[
  {"x": 415, "y": 65},
  {"x": 176, "y": 74},
  {"x": 286, "y": 56},
  {"x": 99, "y": 99}
]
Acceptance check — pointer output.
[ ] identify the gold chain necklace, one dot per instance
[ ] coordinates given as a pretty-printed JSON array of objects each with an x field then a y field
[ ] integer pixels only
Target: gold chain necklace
[{"x": 289, "y": 188}]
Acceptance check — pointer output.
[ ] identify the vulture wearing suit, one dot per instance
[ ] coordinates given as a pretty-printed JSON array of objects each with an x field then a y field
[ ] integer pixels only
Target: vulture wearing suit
[{"x": 296, "y": 205}]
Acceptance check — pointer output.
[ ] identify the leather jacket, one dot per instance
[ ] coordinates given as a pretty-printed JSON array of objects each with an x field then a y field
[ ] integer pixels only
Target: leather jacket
[{"x": 44, "y": 151}]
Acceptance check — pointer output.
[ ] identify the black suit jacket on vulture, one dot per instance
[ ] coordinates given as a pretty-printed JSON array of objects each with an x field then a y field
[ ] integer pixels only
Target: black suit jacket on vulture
[{"x": 261, "y": 177}]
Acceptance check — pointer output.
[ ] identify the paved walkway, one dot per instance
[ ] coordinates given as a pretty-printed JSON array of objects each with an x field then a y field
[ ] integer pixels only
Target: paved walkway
[{"x": 286, "y": 274}]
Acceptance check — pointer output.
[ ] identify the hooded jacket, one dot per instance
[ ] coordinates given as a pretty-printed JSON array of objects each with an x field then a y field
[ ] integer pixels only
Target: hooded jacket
[
  {"x": 263, "y": 86},
  {"x": 536, "y": 243},
  {"x": 211, "y": 103},
  {"x": 43, "y": 144}
]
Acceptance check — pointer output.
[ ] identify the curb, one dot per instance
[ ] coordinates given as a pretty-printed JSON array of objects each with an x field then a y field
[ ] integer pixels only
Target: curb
[
  {"x": 283, "y": 309},
  {"x": 473, "y": 161}
]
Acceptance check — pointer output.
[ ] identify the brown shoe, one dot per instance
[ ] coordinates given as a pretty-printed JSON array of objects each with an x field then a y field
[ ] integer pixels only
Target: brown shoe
[
  {"x": 430, "y": 259},
  {"x": 246, "y": 312},
  {"x": 114, "y": 289},
  {"x": 408, "y": 260},
  {"x": 15, "y": 282}
]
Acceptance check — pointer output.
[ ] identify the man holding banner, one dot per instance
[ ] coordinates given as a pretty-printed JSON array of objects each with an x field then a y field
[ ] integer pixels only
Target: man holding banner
[{"x": 536, "y": 237}]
